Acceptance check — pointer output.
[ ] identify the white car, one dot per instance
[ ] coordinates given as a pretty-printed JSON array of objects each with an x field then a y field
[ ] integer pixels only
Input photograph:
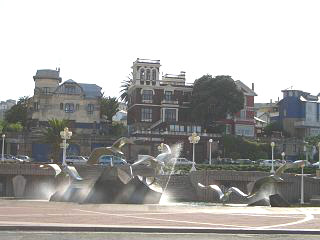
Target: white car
[
  {"x": 181, "y": 161},
  {"x": 76, "y": 160},
  {"x": 268, "y": 163},
  {"x": 24, "y": 158},
  {"x": 11, "y": 159}
]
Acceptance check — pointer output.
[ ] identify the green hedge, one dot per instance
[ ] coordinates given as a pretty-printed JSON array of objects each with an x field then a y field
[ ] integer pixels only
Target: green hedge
[{"x": 186, "y": 169}]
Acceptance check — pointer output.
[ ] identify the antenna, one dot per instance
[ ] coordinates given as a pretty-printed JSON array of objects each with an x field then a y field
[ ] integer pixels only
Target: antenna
[{"x": 289, "y": 87}]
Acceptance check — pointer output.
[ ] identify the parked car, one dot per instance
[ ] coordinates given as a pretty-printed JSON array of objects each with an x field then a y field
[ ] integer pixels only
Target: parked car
[
  {"x": 268, "y": 163},
  {"x": 76, "y": 160},
  {"x": 315, "y": 165},
  {"x": 24, "y": 158},
  {"x": 244, "y": 161},
  {"x": 107, "y": 159},
  {"x": 181, "y": 161},
  {"x": 11, "y": 159}
]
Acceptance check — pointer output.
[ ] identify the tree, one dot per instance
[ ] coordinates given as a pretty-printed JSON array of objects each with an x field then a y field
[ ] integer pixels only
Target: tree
[
  {"x": 213, "y": 98},
  {"x": 52, "y": 136},
  {"x": 108, "y": 107},
  {"x": 19, "y": 112},
  {"x": 125, "y": 84}
]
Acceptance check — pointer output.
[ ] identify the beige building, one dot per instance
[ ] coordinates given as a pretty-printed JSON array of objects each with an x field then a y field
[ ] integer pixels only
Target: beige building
[
  {"x": 5, "y": 106},
  {"x": 77, "y": 102}
]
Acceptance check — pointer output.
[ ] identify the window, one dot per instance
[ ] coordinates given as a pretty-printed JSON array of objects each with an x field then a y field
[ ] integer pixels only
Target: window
[
  {"x": 77, "y": 107},
  {"x": 168, "y": 95},
  {"x": 61, "y": 106},
  {"x": 146, "y": 114},
  {"x": 90, "y": 108},
  {"x": 154, "y": 74},
  {"x": 228, "y": 129},
  {"x": 36, "y": 106},
  {"x": 147, "y": 95},
  {"x": 69, "y": 107},
  {"x": 46, "y": 90},
  {"x": 70, "y": 89},
  {"x": 170, "y": 115},
  {"x": 141, "y": 74},
  {"x": 243, "y": 114},
  {"x": 244, "y": 130},
  {"x": 148, "y": 74}
]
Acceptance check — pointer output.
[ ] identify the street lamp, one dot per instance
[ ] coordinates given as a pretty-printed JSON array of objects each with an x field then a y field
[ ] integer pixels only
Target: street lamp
[
  {"x": 194, "y": 139},
  {"x": 210, "y": 143},
  {"x": 65, "y": 134},
  {"x": 302, "y": 183},
  {"x": 2, "y": 153},
  {"x": 283, "y": 154},
  {"x": 319, "y": 153},
  {"x": 272, "y": 144}
]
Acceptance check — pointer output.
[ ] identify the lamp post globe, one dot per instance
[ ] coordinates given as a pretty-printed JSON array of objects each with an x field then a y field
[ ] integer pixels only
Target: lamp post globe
[{"x": 283, "y": 154}]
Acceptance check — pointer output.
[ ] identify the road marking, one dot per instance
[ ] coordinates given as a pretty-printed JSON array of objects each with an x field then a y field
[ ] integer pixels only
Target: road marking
[
  {"x": 163, "y": 220},
  {"x": 308, "y": 217}
]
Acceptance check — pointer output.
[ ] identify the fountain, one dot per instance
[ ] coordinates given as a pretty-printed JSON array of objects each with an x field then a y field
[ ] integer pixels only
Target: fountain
[
  {"x": 131, "y": 183},
  {"x": 264, "y": 191}
]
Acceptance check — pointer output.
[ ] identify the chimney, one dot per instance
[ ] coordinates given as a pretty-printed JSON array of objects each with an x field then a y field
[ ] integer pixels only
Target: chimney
[{"x": 252, "y": 86}]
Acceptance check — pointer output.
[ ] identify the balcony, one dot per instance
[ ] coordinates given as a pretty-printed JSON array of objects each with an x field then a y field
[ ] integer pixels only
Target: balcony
[
  {"x": 248, "y": 120},
  {"x": 305, "y": 124},
  {"x": 146, "y": 101},
  {"x": 171, "y": 133},
  {"x": 170, "y": 102}
]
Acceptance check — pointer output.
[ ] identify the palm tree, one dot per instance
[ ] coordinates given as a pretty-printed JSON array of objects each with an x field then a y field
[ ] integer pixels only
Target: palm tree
[
  {"x": 125, "y": 84},
  {"x": 108, "y": 107},
  {"x": 51, "y": 135}
]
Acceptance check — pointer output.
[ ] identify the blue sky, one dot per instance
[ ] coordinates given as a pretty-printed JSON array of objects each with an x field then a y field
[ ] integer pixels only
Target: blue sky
[{"x": 275, "y": 44}]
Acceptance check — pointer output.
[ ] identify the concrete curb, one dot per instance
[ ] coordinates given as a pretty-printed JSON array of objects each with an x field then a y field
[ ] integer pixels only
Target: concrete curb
[{"x": 24, "y": 228}]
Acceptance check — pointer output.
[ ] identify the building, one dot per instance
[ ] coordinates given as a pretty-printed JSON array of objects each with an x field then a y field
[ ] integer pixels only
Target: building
[
  {"x": 265, "y": 113},
  {"x": 299, "y": 113},
  {"x": 157, "y": 111},
  {"x": 76, "y": 102},
  {"x": 244, "y": 123},
  {"x": 5, "y": 106}
]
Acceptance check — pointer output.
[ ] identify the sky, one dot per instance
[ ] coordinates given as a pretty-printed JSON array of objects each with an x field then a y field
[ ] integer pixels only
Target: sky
[{"x": 274, "y": 44}]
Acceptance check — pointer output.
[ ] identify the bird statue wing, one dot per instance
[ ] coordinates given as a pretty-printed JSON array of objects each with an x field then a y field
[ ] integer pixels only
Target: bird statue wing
[
  {"x": 257, "y": 184},
  {"x": 98, "y": 152},
  {"x": 288, "y": 165},
  {"x": 237, "y": 191},
  {"x": 168, "y": 149},
  {"x": 73, "y": 173},
  {"x": 117, "y": 145},
  {"x": 203, "y": 186},
  {"x": 55, "y": 167},
  {"x": 218, "y": 190},
  {"x": 145, "y": 159},
  {"x": 124, "y": 176}
]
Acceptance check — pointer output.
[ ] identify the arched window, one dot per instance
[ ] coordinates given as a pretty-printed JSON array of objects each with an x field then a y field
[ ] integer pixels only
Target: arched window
[
  {"x": 141, "y": 74},
  {"x": 148, "y": 74},
  {"x": 154, "y": 74}
]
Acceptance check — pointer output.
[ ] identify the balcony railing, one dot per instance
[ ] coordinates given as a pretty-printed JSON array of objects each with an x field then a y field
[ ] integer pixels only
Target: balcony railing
[
  {"x": 172, "y": 102},
  {"x": 171, "y": 133},
  {"x": 250, "y": 120},
  {"x": 306, "y": 124}
]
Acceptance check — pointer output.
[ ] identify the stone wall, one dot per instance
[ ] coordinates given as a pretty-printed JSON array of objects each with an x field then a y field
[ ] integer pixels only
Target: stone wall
[{"x": 177, "y": 187}]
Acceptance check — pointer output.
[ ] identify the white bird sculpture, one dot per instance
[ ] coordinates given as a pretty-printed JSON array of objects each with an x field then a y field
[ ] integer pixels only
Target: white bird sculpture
[
  {"x": 224, "y": 196},
  {"x": 69, "y": 170}
]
